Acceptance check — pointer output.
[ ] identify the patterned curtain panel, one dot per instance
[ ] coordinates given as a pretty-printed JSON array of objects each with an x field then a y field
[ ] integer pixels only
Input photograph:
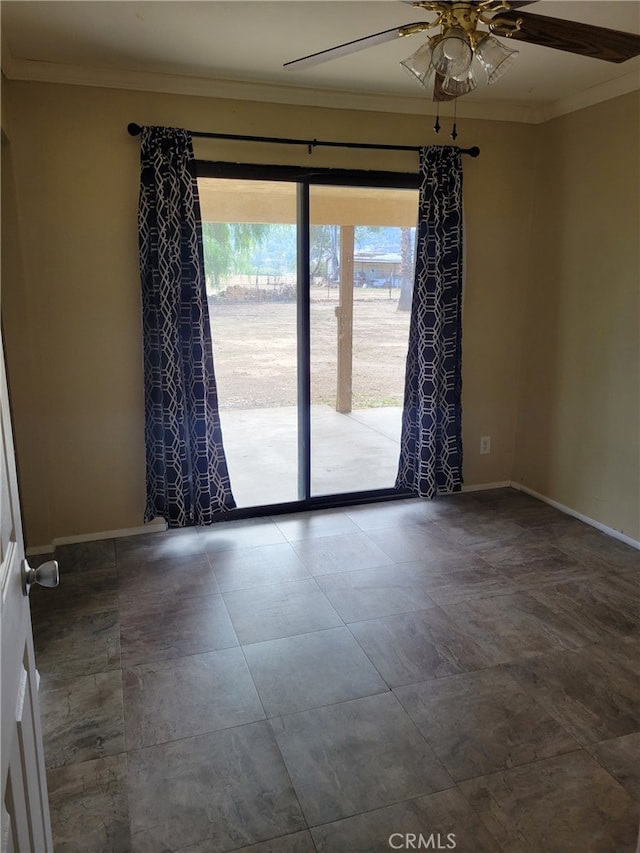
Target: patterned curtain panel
[
  {"x": 187, "y": 477},
  {"x": 431, "y": 443}
]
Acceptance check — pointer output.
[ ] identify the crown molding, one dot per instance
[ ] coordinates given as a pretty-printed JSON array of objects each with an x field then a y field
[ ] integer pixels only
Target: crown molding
[
  {"x": 175, "y": 84},
  {"x": 596, "y": 94}
]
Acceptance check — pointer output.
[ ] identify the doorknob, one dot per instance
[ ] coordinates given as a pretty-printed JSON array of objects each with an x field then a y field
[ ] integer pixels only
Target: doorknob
[{"x": 45, "y": 575}]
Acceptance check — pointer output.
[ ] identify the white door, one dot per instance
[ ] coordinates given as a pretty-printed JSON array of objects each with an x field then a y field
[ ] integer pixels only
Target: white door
[{"x": 25, "y": 808}]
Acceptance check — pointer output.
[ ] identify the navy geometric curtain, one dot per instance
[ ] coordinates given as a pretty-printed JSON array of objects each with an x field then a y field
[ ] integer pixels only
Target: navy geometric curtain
[
  {"x": 187, "y": 476},
  {"x": 431, "y": 443}
]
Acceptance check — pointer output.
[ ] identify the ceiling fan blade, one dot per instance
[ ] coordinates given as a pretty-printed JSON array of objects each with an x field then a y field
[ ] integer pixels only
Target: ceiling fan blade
[
  {"x": 355, "y": 45},
  {"x": 583, "y": 39},
  {"x": 513, "y": 4}
]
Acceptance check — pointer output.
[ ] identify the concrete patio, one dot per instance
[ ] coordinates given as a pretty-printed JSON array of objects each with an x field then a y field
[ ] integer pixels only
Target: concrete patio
[{"x": 349, "y": 452}]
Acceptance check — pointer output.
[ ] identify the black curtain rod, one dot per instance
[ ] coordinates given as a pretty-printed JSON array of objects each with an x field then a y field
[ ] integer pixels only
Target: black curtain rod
[{"x": 135, "y": 130}]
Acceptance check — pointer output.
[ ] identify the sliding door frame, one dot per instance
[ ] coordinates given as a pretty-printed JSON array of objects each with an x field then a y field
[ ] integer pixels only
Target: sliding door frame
[
  {"x": 303, "y": 336},
  {"x": 305, "y": 178}
]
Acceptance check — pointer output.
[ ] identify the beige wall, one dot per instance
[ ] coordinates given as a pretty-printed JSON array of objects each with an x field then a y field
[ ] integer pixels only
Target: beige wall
[
  {"x": 17, "y": 337},
  {"x": 578, "y": 432},
  {"x": 76, "y": 310}
]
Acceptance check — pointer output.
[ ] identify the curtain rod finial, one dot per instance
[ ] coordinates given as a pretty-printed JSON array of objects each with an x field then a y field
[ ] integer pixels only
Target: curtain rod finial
[
  {"x": 474, "y": 151},
  {"x": 134, "y": 129}
]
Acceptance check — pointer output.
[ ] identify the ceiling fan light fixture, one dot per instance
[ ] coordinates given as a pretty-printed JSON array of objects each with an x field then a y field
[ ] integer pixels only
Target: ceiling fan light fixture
[
  {"x": 453, "y": 53},
  {"x": 457, "y": 86},
  {"x": 418, "y": 65},
  {"x": 495, "y": 57}
]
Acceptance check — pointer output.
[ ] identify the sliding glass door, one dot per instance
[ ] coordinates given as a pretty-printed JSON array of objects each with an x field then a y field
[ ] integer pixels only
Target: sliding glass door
[
  {"x": 309, "y": 294},
  {"x": 362, "y": 241},
  {"x": 249, "y": 234}
]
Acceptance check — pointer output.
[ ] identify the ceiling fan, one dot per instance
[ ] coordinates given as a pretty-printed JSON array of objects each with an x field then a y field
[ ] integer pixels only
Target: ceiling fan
[{"x": 450, "y": 59}]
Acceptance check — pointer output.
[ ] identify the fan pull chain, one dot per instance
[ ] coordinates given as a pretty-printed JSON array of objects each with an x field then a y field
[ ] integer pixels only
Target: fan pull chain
[
  {"x": 436, "y": 126},
  {"x": 454, "y": 131}
]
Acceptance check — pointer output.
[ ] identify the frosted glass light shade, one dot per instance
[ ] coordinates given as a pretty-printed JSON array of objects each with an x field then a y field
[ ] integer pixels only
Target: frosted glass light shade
[
  {"x": 456, "y": 87},
  {"x": 418, "y": 65},
  {"x": 452, "y": 55},
  {"x": 495, "y": 58}
]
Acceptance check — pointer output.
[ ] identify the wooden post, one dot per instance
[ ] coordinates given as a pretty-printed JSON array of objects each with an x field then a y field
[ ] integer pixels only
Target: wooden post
[{"x": 344, "y": 313}]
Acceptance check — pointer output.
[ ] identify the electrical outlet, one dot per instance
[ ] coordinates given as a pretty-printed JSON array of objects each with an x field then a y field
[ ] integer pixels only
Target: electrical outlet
[{"x": 485, "y": 444}]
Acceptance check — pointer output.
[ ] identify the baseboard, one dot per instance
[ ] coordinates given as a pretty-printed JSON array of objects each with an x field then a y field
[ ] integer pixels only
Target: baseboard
[
  {"x": 38, "y": 550},
  {"x": 158, "y": 525},
  {"x": 483, "y": 487},
  {"x": 610, "y": 531}
]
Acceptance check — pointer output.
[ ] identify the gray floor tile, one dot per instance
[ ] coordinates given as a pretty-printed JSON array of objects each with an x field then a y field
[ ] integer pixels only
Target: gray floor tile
[
  {"x": 509, "y": 501},
  {"x": 79, "y": 593},
  {"x": 513, "y": 627},
  {"x": 442, "y": 821},
  {"x": 280, "y": 610},
  {"x": 322, "y": 668},
  {"x": 412, "y": 647},
  {"x": 394, "y": 513},
  {"x": 633, "y": 578},
  {"x": 370, "y": 593},
  {"x": 308, "y": 525},
  {"x": 592, "y": 547},
  {"x": 508, "y": 624},
  {"x": 593, "y": 692},
  {"x": 536, "y": 563},
  {"x": 608, "y": 605},
  {"x": 182, "y": 542},
  {"x": 244, "y": 568},
  {"x": 413, "y": 542},
  {"x": 507, "y": 556},
  {"x": 299, "y": 842},
  {"x": 452, "y": 579},
  {"x": 156, "y": 546},
  {"x": 81, "y": 556},
  {"x": 478, "y": 535},
  {"x": 528, "y": 512},
  {"x": 481, "y": 722},
  {"x": 211, "y": 793},
  {"x": 244, "y": 533},
  {"x": 89, "y": 808},
  {"x": 356, "y": 756},
  {"x": 74, "y": 646},
  {"x": 566, "y": 804},
  {"x": 325, "y": 555},
  {"x": 182, "y": 697},
  {"x": 153, "y": 580},
  {"x": 621, "y": 757},
  {"x": 175, "y": 628},
  {"x": 546, "y": 522},
  {"x": 82, "y": 719}
]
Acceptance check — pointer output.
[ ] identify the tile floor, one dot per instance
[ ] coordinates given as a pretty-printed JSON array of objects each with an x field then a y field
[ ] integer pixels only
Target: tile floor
[{"x": 347, "y": 680}]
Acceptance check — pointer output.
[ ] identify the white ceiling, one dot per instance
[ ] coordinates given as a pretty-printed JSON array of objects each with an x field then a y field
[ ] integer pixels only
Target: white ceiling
[{"x": 238, "y": 49}]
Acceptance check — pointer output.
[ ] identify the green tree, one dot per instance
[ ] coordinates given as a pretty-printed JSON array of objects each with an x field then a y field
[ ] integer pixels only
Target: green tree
[
  {"x": 323, "y": 251},
  {"x": 228, "y": 247}
]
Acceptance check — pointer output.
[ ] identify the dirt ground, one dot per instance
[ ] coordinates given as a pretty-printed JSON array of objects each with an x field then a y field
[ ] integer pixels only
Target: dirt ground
[{"x": 255, "y": 351}]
